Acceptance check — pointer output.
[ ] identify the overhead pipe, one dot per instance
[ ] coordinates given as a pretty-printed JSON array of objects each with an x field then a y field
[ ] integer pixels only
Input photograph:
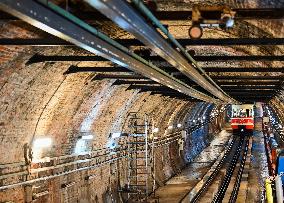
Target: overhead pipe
[
  {"x": 58, "y": 22},
  {"x": 143, "y": 9},
  {"x": 126, "y": 17}
]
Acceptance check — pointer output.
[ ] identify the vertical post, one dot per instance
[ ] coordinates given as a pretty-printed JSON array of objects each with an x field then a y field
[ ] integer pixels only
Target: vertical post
[
  {"x": 153, "y": 165},
  {"x": 146, "y": 155},
  {"x": 268, "y": 189},
  {"x": 279, "y": 189}
]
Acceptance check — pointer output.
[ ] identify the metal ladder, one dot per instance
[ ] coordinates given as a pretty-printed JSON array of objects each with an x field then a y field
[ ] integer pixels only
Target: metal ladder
[{"x": 138, "y": 159}]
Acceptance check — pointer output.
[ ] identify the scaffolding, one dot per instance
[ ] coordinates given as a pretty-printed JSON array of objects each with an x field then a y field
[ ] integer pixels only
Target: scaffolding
[{"x": 140, "y": 161}]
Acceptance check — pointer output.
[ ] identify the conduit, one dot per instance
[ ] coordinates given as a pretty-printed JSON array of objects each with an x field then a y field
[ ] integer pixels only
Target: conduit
[
  {"x": 143, "y": 9},
  {"x": 127, "y": 18},
  {"x": 56, "y": 21}
]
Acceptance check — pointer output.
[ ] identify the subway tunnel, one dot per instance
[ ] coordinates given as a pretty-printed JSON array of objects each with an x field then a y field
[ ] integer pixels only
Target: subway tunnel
[{"x": 92, "y": 90}]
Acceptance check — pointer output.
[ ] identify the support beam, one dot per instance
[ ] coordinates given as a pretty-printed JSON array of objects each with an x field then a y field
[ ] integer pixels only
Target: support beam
[
  {"x": 58, "y": 22},
  {"x": 34, "y": 42},
  {"x": 242, "y": 14},
  {"x": 130, "y": 82},
  {"x": 37, "y": 58},
  {"x": 238, "y": 58},
  {"x": 43, "y": 58},
  {"x": 164, "y": 92},
  {"x": 249, "y": 82},
  {"x": 252, "y": 96},
  {"x": 243, "y": 69},
  {"x": 76, "y": 69},
  {"x": 268, "y": 77},
  {"x": 169, "y": 69},
  {"x": 257, "y": 86},
  {"x": 134, "y": 42},
  {"x": 119, "y": 69},
  {"x": 174, "y": 95},
  {"x": 252, "y": 93},
  {"x": 251, "y": 88},
  {"x": 151, "y": 88},
  {"x": 111, "y": 76}
]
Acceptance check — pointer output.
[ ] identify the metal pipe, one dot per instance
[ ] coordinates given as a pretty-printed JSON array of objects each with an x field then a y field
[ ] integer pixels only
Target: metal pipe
[
  {"x": 58, "y": 22},
  {"x": 140, "y": 5},
  {"x": 279, "y": 189},
  {"x": 128, "y": 19},
  {"x": 164, "y": 141},
  {"x": 57, "y": 175}
]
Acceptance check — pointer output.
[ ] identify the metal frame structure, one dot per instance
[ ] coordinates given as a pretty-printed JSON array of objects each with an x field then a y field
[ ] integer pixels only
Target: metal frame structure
[
  {"x": 126, "y": 17},
  {"x": 62, "y": 24},
  {"x": 45, "y": 58},
  {"x": 51, "y": 41},
  {"x": 89, "y": 38},
  {"x": 241, "y": 14},
  {"x": 139, "y": 168}
]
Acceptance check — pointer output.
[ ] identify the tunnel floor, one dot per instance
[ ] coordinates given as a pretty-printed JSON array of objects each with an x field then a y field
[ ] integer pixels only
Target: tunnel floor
[
  {"x": 177, "y": 187},
  {"x": 182, "y": 187}
]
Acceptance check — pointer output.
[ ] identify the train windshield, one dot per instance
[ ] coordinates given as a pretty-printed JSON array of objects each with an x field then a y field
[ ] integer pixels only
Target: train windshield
[{"x": 239, "y": 111}]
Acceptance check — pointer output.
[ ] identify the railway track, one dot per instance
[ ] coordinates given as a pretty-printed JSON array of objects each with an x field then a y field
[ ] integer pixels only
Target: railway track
[{"x": 223, "y": 184}]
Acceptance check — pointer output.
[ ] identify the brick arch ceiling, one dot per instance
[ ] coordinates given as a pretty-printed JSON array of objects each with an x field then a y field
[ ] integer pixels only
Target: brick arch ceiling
[{"x": 39, "y": 100}]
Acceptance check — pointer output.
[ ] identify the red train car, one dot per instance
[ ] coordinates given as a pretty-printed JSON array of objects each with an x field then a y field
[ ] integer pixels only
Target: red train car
[{"x": 242, "y": 118}]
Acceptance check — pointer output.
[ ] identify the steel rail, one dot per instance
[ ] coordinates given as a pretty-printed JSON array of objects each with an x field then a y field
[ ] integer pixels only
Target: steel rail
[
  {"x": 62, "y": 24},
  {"x": 215, "y": 172},
  {"x": 126, "y": 17},
  {"x": 235, "y": 191},
  {"x": 226, "y": 181}
]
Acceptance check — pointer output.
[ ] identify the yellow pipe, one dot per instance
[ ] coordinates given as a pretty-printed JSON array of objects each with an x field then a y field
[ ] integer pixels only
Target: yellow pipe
[{"x": 268, "y": 189}]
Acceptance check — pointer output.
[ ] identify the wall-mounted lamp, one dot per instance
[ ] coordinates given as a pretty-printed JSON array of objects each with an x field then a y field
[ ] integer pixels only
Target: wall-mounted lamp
[
  {"x": 42, "y": 142},
  {"x": 87, "y": 137},
  {"x": 155, "y": 130}
]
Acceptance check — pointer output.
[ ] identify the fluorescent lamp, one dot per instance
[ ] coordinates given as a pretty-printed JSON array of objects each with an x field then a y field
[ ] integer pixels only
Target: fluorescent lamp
[
  {"x": 42, "y": 142},
  {"x": 87, "y": 137},
  {"x": 115, "y": 135},
  {"x": 155, "y": 130}
]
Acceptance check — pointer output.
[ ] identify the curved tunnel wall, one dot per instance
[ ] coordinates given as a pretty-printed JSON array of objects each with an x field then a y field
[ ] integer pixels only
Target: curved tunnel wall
[{"x": 39, "y": 101}]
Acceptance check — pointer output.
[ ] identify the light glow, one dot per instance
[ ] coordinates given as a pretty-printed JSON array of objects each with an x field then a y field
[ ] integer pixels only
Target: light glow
[
  {"x": 87, "y": 137},
  {"x": 38, "y": 148},
  {"x": 115, "y": 135},
  {"x": 42, "y": 142},
  {"x": 155, "y": 130}
]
